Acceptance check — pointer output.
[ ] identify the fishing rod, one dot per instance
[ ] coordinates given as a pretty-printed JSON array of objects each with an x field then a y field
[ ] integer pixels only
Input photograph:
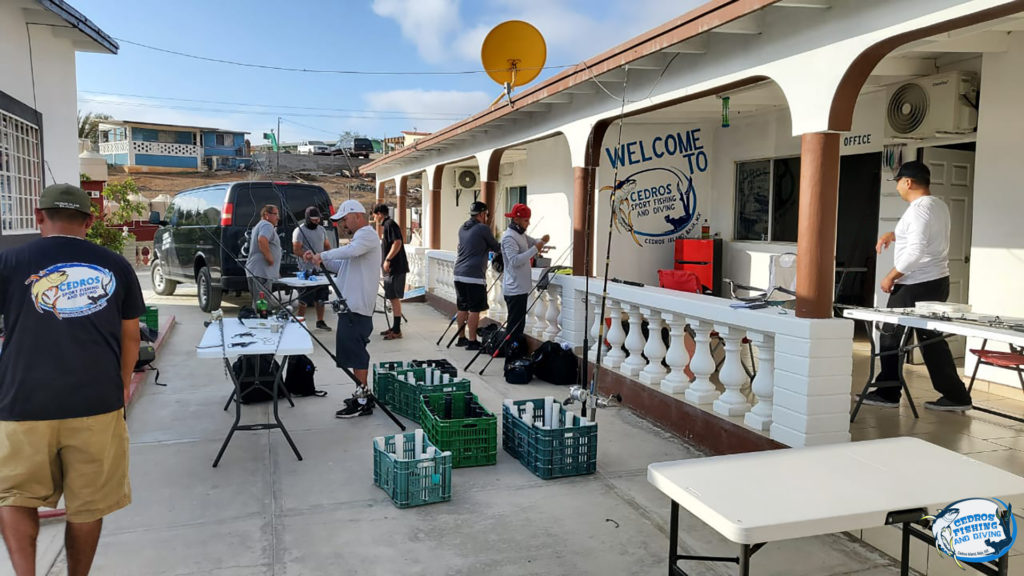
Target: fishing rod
[{"x": 461, "y": 326}]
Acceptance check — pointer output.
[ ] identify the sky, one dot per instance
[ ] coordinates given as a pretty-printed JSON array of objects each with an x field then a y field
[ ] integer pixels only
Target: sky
[{"x": 428, "y": 50}]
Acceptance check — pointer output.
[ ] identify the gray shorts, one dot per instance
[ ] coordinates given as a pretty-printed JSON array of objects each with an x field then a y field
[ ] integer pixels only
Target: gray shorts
[{"x": 352, "y": 337}]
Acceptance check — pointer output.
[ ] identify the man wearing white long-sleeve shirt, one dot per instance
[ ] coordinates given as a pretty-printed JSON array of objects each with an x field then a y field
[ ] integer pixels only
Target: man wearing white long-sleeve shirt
[
  {"x": 358, "y": 267},
  {"x": 920, "y": 273},
  {"x": 518, "y": 249}
]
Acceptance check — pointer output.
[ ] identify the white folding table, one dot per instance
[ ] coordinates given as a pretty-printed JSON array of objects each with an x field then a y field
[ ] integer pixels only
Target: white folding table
[
  {"x": 762, "y": 497},
  {"x": 231, "y": 338}
]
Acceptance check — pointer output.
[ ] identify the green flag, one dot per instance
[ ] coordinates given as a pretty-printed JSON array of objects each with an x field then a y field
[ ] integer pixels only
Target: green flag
[{"x": 273, "y": 139}]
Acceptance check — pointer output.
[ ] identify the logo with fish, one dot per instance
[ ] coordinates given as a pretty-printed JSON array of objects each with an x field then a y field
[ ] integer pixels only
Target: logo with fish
[
  {"x": 974, "y": 530},
  {"x": 70, "y": 290},
  {"x": 653, "y": 205}
]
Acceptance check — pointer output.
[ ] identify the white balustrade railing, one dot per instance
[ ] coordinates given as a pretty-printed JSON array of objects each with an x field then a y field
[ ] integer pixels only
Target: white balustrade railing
[
  {"x": 787, "y": 350},
  {"x": 417, "y": 276}
]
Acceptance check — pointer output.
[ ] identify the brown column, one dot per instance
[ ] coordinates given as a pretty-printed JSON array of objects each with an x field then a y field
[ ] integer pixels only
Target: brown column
[
  {"x": 379, "y": 200},
  {"x": 403, "y": 193},
  {"x": 816, "y": 236},
  {"x": 435, "y": 219},
  {"x": 488, "y": 193},
  {"x": 583, "y": 196}
]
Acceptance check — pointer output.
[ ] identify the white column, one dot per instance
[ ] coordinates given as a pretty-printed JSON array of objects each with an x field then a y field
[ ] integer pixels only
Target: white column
[
  {"x": 554, "y": 312},
  {"x": 702, "y": 391},
  {"x": 676, "y": 382},
  {"x": 616, "y": 336},
  {"x": 760, "y": 416},
  {"x": 732, "y": 402},
  {"x": 595, "y": 328},
  {"x": 500, "y": 309},
  {"x": 635, "y": 363},
  {"x": 536, "y": 322},
  {"x": 654, "y": 372}
]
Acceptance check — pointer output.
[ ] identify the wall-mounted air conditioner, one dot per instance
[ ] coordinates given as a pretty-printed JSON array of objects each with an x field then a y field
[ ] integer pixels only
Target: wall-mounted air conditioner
[
  {"x": 931, "y": 106},
  {"x": 466, "y": 179}
]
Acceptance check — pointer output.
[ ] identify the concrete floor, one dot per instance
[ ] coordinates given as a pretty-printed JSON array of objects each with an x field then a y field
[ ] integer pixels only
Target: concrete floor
[{"x": 263, "y": 512}]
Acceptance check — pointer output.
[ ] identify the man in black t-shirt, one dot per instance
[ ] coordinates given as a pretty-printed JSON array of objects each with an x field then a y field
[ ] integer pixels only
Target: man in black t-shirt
[
  {"x": 394, "y": 264},
  {"x": 71, "y": 310}
]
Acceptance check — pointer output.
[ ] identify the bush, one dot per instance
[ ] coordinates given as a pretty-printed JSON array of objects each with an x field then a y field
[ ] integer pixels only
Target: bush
[{"x": 106, "y": 228}]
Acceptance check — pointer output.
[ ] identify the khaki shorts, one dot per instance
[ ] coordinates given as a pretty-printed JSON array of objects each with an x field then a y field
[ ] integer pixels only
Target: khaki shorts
[{"x": 85, "y": 459}]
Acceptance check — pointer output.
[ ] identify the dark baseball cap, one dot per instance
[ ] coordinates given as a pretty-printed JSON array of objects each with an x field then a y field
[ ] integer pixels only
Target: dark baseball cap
[
  {"x": 313, "y": 212},
  {"x": 381, "y": 209},
  {"x": 65, "y": 196},
  {"x": 916, "y": 171},
  {"x": 477, "y": 208}
]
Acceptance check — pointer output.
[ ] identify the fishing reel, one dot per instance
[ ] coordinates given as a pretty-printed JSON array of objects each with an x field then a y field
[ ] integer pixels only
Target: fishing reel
[
  {"x": 215, "y": 316},
  {"x": 580, "y": 394},
  {"x": 339, "y": 305}
]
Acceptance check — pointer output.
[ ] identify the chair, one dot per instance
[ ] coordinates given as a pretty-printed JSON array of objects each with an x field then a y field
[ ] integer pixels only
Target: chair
[
  {"x": 781, "y": 281},
  {"x": 1012, "y": 360}
]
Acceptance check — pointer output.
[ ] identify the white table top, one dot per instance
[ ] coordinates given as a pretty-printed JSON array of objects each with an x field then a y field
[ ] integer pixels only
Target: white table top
[
  {"x": 293, "y": 339},
  {"x": 904, "y": 317},
  {"x": 293, "y": 282},
  {"x": 799, "y": 492}
]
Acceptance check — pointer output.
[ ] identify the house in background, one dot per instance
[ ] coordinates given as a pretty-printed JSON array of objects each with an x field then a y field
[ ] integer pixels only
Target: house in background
[
  {"x": 154, "y": 147},
  {"x": 38, "y": 105}
]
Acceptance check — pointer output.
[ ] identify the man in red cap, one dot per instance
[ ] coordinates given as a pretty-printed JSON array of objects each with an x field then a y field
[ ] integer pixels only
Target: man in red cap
[{"x": 518, "y": 249}]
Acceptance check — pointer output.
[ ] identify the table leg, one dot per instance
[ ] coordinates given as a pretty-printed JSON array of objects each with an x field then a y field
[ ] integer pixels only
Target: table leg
[
  {"x": 905, "y": 550},
  {"x": 871, "y": 369},
  {"x": 277, "y": 418},
  {"x": 901, "y": 360},
  {"x": 238, "y": 414},
  {"x": 744, "y": 569},
  {"x": 673, "y": 538}
]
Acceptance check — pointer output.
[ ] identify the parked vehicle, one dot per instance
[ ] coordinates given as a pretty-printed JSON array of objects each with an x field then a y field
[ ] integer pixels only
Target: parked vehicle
[
  {"x": 312, "y": 147},
  {"x": 360, "y": 148},
  {"x": 204, "y": 238}
]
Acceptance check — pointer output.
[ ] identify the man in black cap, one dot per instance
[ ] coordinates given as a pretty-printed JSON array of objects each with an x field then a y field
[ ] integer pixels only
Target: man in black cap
[
  {"x": 311, "y": 236},
  {"x": 920, "y": 273},
  {"x": 394, "y": 265},
  {"x": 476, "y": 242},
  {"x": 71, "y": 309}
]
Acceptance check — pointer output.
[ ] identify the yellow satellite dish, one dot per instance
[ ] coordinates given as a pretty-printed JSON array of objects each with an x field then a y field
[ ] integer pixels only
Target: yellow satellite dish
[{"x": 513, "y": 54}]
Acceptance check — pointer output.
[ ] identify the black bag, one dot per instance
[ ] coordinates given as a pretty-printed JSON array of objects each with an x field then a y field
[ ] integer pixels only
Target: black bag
[
  {"x": 498, "y": 262},
  {"x": 551, "y": 363},
  {"x": 514, "y": 348},
  {"x": 147, "y": 354},
  {"x": 518, "y": 371},
  {"x": 299, "y": 377},
  {"x": 255, "y": 375}
]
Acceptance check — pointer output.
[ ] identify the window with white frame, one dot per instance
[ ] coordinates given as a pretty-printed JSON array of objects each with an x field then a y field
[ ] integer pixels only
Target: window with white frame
[
  {"x": 768, "y": 199},
  {"x": 20, "y": 174}
]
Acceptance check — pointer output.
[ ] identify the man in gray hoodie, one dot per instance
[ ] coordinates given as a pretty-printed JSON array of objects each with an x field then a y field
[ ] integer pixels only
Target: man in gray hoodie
[
  {"x": 518, "y": 249},
  {"x": 476, "y": 242}
]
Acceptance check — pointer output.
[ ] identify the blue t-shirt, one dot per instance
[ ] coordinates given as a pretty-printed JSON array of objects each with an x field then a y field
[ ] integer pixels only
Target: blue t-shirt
[{"x": 63, "y": 300}]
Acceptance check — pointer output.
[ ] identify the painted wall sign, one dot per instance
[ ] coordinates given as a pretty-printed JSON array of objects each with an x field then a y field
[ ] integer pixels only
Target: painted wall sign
[
  {"x": 857, "y": 140},
  {"x": 656, "y": 204}
]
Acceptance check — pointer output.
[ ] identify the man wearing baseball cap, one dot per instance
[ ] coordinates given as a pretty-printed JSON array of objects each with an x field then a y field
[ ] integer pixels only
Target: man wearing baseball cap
[
  {"x": 518, "y": 249},
  {"x": 358, "y": 270},
  {"x": 920, "y": 273},
  {"x": 394, "y": 264},
  {"x": 71, "y": 309},
  {"x": 476, "y": 242},
  {"x": 313, "y": 237}
]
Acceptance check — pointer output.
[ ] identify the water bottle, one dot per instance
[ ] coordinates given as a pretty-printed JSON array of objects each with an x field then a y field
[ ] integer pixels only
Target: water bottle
[{"x": 261, "y": 306}]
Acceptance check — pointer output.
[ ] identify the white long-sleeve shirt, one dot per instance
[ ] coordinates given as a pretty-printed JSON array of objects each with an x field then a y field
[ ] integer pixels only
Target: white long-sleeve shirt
[
  {"x": 358, "y": 268},
  {"x": 922, "y": 241},
  {"x": 517, "y": 249}
]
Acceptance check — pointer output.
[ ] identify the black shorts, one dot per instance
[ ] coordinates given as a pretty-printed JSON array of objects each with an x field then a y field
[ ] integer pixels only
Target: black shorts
[
  {"x": 310, "y": 296},
  {"x": 470, "y": 297},
  {"x": 352, "y": 337},
  {"x": 394, "y": 286}
]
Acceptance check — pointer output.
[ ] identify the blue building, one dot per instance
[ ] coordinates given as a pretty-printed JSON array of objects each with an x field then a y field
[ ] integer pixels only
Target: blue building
[{"x": 152, "y": 147}]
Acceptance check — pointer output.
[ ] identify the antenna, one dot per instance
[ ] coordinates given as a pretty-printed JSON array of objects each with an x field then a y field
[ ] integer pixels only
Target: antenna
[{"x": 513, "y": 54}]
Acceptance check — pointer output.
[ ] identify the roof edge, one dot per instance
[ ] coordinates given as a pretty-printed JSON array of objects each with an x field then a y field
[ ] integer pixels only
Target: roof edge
[{"x": 81, "y": 23}]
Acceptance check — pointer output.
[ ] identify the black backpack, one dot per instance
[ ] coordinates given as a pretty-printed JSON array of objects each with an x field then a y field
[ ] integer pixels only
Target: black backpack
[
  {"x": 553, "y": 364},
  {"x": 299, "y": 377},
  {"x": 518, "y": 370},
  {"x": 255, "y": 375}
]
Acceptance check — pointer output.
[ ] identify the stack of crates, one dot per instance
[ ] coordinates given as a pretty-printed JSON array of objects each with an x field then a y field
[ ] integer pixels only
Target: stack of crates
[
  {"x": 408, "y": 480},
  {"x": 460, "y": 424},
  {"x": 400, "y": 387},
  {"x": 152, "y": 319},
  {"x": 550, "y": 441},
  {"x": 441, "y": 364}
]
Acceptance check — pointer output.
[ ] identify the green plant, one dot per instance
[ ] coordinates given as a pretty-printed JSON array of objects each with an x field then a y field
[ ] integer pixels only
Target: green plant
[{"x": 107, "y": 229}]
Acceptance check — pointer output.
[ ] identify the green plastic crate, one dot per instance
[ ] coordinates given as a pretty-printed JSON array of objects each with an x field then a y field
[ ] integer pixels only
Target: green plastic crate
[
  {"x": 403, "y": 397},
  {"x": 152, "y": 318},
  {"x": 460, "y": 424},
  {"x": 555, "y": 453},
  {"x": 407, "y": 481}
]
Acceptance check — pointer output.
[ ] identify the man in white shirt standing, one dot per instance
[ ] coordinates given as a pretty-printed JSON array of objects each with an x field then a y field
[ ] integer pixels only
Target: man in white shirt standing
[{"x": 920, "y": 273}]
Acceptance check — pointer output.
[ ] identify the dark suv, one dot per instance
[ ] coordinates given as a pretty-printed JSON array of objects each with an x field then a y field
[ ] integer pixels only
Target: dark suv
[
  {"x": 205, "y": 236},
  {"x": 361, "y": 147}
]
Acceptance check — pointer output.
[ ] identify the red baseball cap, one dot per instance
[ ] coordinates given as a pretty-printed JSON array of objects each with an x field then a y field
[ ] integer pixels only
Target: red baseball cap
[{"x": 519, "y": 211}]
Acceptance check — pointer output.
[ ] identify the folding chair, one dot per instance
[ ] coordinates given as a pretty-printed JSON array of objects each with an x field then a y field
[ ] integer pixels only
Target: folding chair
[
  {"x": 781, "y": 279},
  {"x": 1012, "y": 360}
]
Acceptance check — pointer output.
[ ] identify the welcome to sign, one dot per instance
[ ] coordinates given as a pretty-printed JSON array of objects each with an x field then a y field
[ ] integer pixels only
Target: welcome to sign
[{"x": 657, "y": 202}]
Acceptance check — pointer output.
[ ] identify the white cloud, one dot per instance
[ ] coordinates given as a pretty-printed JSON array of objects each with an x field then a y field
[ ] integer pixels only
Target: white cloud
[
  {"x": 427, "y": 23},
  {"x": 422, "y": 104}
]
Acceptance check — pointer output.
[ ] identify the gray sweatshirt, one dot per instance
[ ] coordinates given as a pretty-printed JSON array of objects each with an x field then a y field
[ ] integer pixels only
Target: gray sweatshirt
[
  {"x": 476, "y": 241},
  {"x": 358, "y": 267},
  {"x": 517, "y": 249}
]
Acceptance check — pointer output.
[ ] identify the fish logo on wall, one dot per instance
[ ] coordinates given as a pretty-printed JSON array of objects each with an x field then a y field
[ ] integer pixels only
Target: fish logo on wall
[
  {"x": 974, "y": 530},
  {"x": 70, "y": 290},
  {"x": 655, "y": 204}
]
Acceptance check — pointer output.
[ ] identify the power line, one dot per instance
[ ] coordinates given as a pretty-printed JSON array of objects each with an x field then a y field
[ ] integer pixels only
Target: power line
[
  {"x": 316, "y": 70},
  {"x": 368, "y": 115}
]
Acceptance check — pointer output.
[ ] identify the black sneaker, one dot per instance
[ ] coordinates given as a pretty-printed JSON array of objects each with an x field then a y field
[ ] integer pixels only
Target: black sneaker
[
  {"x": 473, "y": 345},
  {"x": 321, "y": 325},
  {"x": 462, "y": 342},
  {"x": 354, "y": 409},
  {"x": 946, "y": 405},
  {"x": 876, "y": 399}
]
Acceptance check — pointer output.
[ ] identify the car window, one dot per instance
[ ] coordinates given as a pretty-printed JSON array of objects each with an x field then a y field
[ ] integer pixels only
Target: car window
[
  {"x": 249, "y": 199},
  {"x": 210, "y": 202},
  {"x": 299, "y": 196},
  {"x": 188, "y": 206}
]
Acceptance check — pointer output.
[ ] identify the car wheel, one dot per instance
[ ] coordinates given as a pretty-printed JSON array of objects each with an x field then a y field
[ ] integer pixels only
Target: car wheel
[
  {"x": 161, "y": 285},
  {"x": 209, "y": 295}
]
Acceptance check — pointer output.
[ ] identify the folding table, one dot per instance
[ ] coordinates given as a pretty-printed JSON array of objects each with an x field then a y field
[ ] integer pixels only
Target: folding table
[
  {"x": 291, "y": 340},
  {"x": 762, "y": 497}
]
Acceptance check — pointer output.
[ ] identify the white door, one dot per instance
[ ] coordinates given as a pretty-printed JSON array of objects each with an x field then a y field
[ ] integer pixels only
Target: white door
[{"x": 953, "y": 181}]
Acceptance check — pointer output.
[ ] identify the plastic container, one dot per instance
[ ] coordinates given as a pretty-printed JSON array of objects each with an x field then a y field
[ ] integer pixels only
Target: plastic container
[
  {"x": 152, "y": 318},
  {"x": 443, "y": 365},
  {"x": 460, "y": 424},
  {"x": 407, "y": 480},
  {"x": 403, "y": 397},
  {"x": 570, "y": 450}
]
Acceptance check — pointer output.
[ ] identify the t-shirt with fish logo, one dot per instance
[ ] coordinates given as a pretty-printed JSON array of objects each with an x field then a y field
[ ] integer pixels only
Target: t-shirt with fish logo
[{"x": 63, "y": 300}]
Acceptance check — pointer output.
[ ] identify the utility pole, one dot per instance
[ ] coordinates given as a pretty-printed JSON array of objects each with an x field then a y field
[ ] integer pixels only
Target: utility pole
[{"x": 278, "y": 145}]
